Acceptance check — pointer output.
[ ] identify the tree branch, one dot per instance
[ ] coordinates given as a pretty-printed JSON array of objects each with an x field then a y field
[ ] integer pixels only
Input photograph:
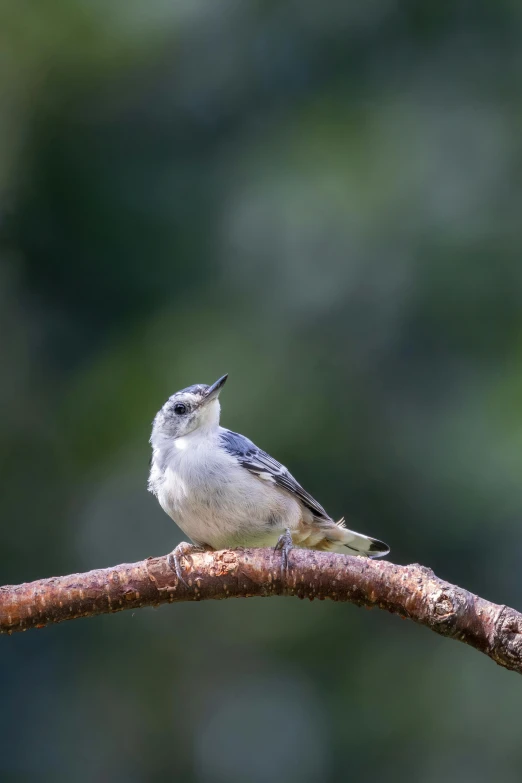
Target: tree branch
[{"x": 411, "y": 591}]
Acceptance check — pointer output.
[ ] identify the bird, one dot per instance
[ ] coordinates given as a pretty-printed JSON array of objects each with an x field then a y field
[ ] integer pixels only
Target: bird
[{"x": 224, "y": 492}]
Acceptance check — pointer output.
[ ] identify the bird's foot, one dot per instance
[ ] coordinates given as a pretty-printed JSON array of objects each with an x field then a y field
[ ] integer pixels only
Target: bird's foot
[
  {"x": 285, "y": 544},
  {"x": 183, "y": 549}
]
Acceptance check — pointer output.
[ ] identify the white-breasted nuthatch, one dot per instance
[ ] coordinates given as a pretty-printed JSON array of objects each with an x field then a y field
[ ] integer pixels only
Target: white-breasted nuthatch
[{"x": 224, "y": 492}]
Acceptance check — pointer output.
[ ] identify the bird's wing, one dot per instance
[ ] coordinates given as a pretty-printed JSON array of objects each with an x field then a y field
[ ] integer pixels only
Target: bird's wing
[{"x": 267, "y": 468}]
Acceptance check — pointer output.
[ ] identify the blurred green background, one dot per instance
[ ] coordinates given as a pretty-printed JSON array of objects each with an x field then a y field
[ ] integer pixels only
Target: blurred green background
[{"x": 323, "y": 200}]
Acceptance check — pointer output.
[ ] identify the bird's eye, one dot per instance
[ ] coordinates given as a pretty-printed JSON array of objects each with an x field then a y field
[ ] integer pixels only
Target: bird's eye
[{"x": 180, "y": 409}]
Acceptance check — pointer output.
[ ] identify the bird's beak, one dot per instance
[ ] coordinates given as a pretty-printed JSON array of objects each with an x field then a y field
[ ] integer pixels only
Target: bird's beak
[{"x": 215, "y": 389}]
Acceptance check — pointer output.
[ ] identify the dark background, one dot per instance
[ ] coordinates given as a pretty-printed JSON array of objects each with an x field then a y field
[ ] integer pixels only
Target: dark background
[{"x": 323, "y": 200}]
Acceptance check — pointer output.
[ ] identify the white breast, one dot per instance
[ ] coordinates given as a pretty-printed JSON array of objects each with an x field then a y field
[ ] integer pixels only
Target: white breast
[{"x": 216, "y": 501}]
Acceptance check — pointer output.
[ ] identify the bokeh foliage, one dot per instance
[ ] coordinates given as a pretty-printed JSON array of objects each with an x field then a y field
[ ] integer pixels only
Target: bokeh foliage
[{"x": 324, "y": 200}]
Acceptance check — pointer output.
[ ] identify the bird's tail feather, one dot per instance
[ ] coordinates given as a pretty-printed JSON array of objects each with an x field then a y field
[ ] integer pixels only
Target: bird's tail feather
[{"x": 358, "y": 543}]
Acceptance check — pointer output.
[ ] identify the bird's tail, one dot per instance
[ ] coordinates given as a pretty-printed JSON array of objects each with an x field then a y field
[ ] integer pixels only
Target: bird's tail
[{"x": 357, "y": 542}]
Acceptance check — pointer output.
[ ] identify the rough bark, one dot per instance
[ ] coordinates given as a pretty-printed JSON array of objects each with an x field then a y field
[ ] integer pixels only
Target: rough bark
[{"x": 411, "y": 591}]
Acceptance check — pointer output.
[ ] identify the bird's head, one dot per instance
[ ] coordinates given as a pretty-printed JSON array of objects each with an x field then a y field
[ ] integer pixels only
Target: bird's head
[{"x": 188, "y": 410}]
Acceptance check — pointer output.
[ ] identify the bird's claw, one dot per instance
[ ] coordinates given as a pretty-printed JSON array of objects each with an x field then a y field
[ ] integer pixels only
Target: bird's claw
[
  {"x": 285, "y": 545},
  {"x": 183, "y": 549}
]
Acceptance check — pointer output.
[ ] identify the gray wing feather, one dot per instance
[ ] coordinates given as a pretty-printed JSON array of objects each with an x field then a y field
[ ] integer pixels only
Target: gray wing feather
[{"x": 259, "y": 462}]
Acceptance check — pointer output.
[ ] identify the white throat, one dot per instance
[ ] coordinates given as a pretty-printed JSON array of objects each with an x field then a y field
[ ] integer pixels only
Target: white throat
[
  {"x": 208, "y": 422},
  {"x": 209, "y": 417}
]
